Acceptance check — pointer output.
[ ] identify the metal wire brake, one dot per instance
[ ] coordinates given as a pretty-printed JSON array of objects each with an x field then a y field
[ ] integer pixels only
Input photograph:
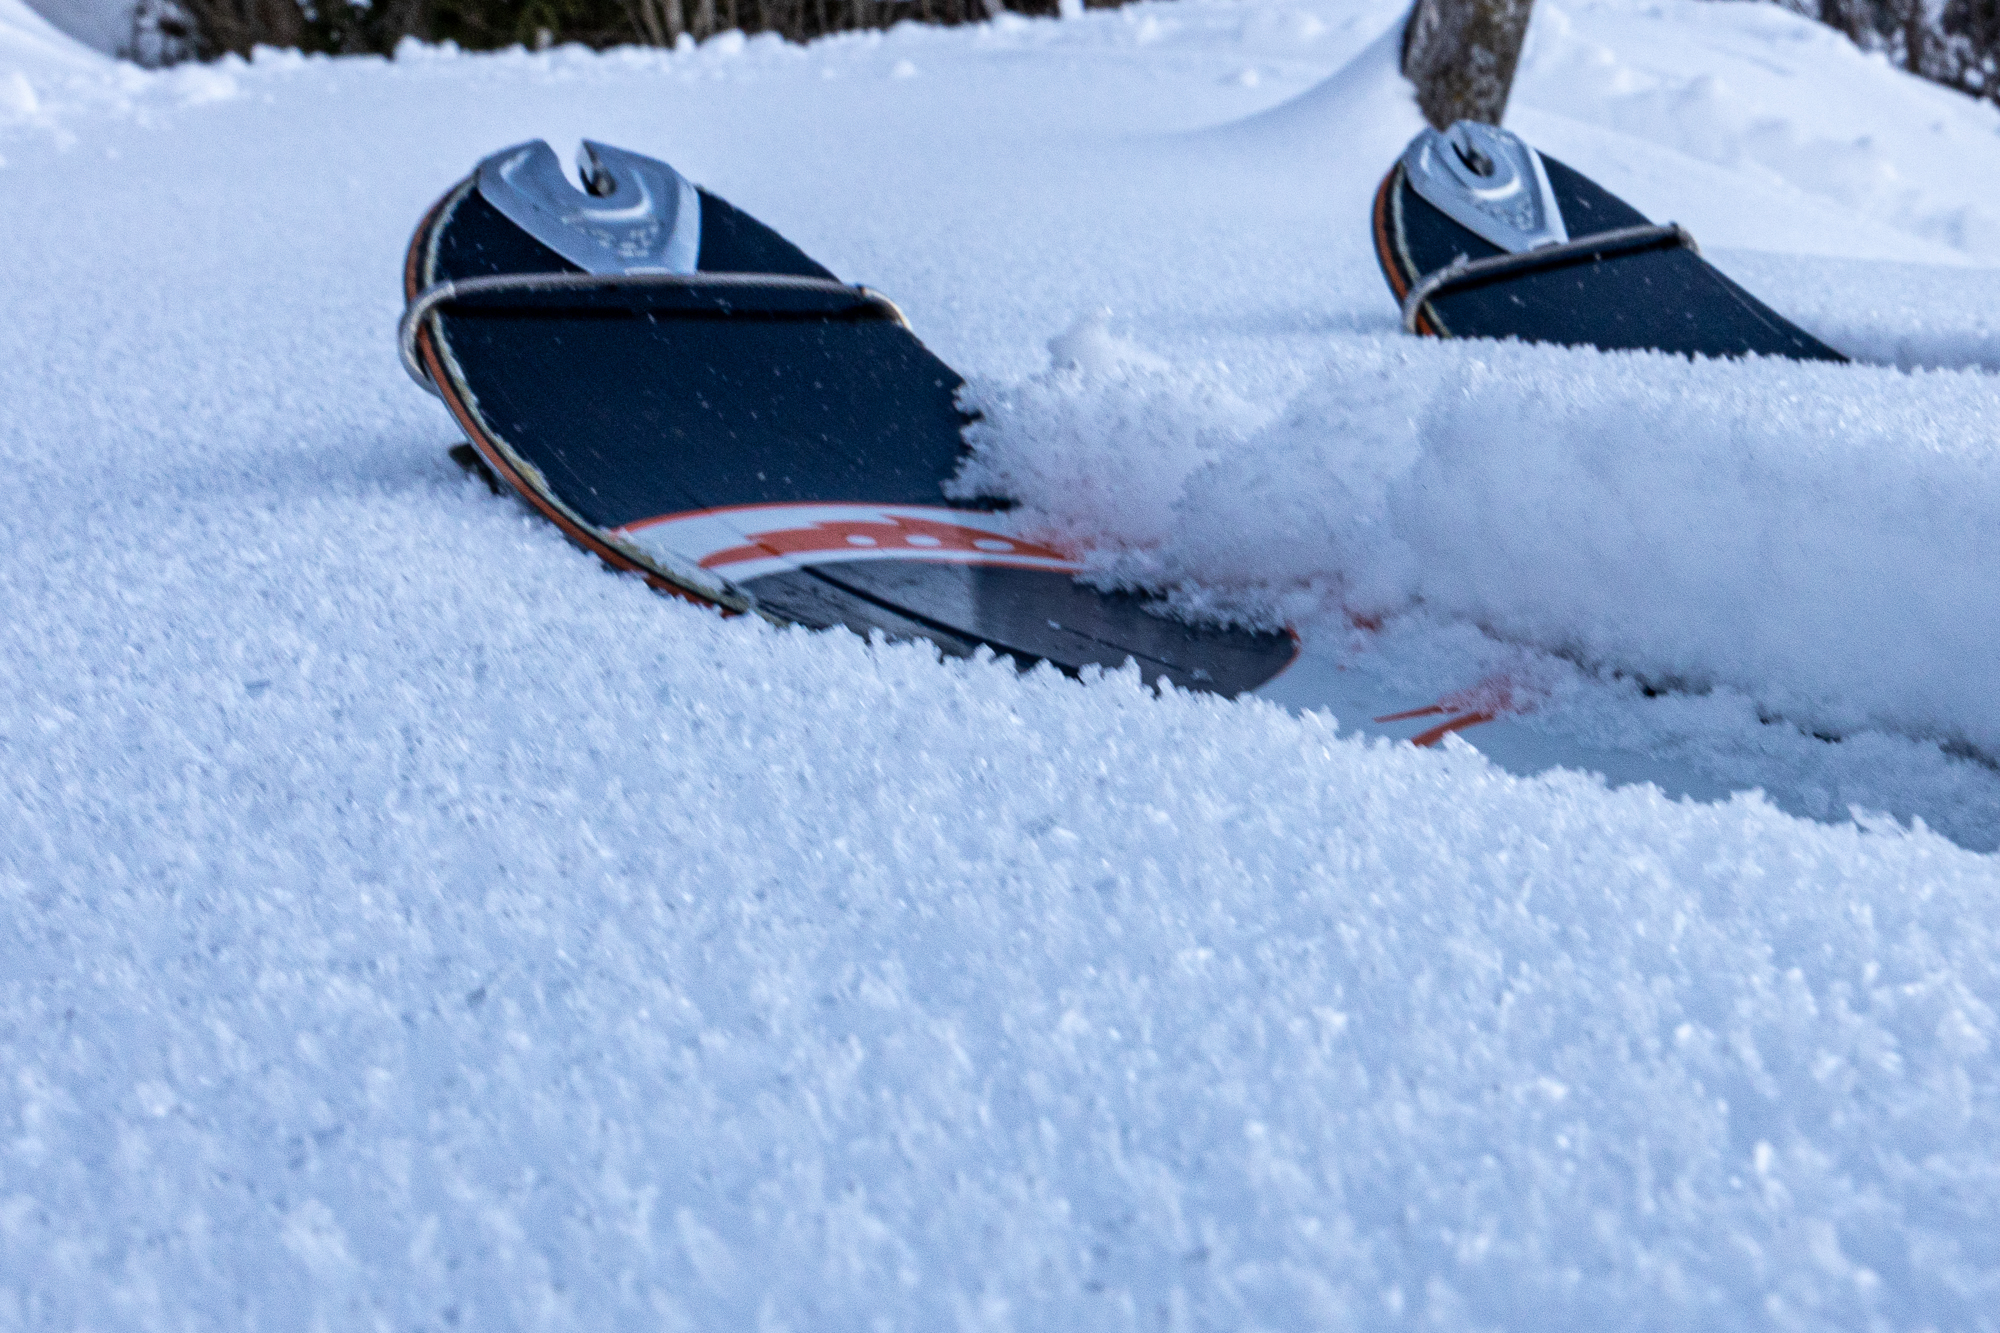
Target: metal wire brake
[
  {"x": 430, "y": 298},
  {"x": 1601, "y": 246}
]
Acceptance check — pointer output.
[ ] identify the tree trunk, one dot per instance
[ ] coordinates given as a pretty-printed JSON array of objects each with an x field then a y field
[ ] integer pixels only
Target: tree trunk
[
  {"x": 1914, "y": 34},
  {"x": 238, "y": 25},
  {"x": 1461, "y": 55},
  {"x": 648, "y": 21},
  {"x": 1846, "y": 15}
]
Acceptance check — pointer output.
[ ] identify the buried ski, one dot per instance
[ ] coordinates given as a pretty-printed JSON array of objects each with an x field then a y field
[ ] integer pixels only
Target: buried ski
[
  {"x": 687, "y": 395},
  {"x": 1481, "y": 236}
]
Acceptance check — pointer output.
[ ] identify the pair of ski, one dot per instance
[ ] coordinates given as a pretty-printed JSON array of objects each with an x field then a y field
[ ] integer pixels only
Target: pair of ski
[{"x": 690, "y": 397}]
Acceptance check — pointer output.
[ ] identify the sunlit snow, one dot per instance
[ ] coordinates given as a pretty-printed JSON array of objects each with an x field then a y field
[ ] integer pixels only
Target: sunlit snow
[{"x": 409, "y": 924}]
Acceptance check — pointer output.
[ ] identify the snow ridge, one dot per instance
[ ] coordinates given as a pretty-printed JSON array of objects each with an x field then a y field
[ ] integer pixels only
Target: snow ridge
[{"x": 1820, "y": 538}]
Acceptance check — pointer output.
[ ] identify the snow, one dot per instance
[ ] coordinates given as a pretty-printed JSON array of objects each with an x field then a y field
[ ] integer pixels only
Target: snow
[
  {"x": 1770, "y": 96},
  {"x": 29, "y": 42},
  {"x": 102, "y": 25},
  {"x": 1821, "y": 535},
  {"x": 409, "y": 923}
]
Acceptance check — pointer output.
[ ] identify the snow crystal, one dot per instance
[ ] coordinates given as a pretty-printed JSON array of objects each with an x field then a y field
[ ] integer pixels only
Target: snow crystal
[
  {"x": 405, "y": 922},
  {"x": 1820, "y": 537}
]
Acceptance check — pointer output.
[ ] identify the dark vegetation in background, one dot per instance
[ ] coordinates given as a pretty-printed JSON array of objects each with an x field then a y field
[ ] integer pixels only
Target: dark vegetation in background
[
  {"x": 1954, "y": 42},
  {"x": 165, "y": 31}
]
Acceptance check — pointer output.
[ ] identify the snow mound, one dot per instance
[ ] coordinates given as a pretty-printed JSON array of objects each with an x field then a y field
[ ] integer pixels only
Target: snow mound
[
  {"x": 1787, "y": 106},
  {"x": 1821, "y": 538},
  {"x": 1365, "y": 105},
  {"x": 101, "y": 25},
  {"x": 49, "y": 80},
  {"x": 32, "y": 55}
]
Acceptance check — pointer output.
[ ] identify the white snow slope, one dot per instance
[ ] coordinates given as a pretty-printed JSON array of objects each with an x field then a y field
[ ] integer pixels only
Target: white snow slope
[
  {"x": 407, "y": 924},
  {"x": 103, "y": 25}
]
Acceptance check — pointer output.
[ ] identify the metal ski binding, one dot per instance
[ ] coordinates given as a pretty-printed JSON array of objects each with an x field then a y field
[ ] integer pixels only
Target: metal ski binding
[
  {"x": 636, "y": 224},
  {"x": 1495, "y": 186},
  {"x": 1489, "y": 182},
  {"x": 638, "y": 216}
]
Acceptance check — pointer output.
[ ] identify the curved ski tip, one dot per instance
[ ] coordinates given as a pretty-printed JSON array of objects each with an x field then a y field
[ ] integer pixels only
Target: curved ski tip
[
  {"x": 632, "y": 213},
  {"x": 1489, "y": 181}
]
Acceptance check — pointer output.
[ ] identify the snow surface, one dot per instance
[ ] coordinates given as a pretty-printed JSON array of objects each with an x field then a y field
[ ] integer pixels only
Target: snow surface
[
  {"x": 103, "y": 25},
  {"x": 30, "y": 44},
  {"x": 1821, "y": 538},
  {"x": 409, "y": 924}
]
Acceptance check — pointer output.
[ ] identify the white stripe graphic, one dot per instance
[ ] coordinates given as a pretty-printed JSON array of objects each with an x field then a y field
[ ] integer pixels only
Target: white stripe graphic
[{"x": 750, "y": 541}]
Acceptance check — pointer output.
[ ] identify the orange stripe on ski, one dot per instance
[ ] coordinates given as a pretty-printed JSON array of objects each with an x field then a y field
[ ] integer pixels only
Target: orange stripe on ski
[
  {"x": 1443, "y": 729},
  {"x": 1385, "y": 250},
  {"x": 1389, "y": 252}
]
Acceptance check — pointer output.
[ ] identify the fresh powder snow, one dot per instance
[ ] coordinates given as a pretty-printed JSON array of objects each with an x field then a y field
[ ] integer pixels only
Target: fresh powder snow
[
  {"x": 103, "y": 25},
  {"x": 410, "y": 924}
]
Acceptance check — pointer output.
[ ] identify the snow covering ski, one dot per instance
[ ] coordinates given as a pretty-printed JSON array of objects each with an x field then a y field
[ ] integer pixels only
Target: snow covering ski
[
  {"x": 691, "y": 398},
  {"x": 409, "y": 922}
]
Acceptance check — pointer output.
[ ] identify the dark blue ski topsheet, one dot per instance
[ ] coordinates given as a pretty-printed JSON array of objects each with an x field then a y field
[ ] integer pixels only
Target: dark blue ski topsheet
[
  {"x": 781, "y": 450},
  {"x": 1663, "y": 298}
]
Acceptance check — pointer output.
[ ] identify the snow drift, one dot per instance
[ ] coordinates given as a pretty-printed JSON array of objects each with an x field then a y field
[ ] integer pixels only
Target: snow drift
[
  {"x": 1818, "y": 537},
  {"x": 102, "y": 25}
]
